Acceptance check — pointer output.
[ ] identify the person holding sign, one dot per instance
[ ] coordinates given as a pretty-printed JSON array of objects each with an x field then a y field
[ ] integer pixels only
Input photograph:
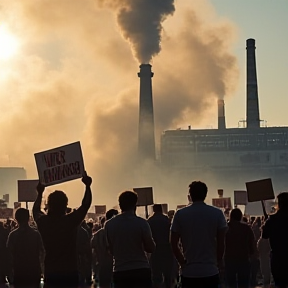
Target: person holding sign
[
  {"x": 275, "y": 229},
  {"x": 59, "y": 234}
]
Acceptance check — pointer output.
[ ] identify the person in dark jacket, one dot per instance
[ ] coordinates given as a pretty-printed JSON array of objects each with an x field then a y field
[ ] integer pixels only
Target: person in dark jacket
[
  {"x": 276, "y": 230},
  {"x": 239, "y": 246}
]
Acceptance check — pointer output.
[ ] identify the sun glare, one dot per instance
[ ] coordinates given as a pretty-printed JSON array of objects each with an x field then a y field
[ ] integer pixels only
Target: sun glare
[{"x": 8, "y": 43}]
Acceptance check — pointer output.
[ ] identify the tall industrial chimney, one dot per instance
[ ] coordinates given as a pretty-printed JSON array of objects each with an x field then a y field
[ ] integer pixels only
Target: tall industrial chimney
[
  {"x": 221, "y": 115},
  {"x": 252, "y": 112},
  {"x": 146, "y": 137}
]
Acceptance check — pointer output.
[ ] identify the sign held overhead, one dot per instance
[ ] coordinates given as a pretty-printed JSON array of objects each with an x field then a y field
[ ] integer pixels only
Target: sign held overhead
[
  {"x": 240, "y": 197},
  {"x": 27, "y": 190},
  {"x": 260, "y": 190},
  {"x": 145, "y": 196},
  {"x": 60, "y": 164}
]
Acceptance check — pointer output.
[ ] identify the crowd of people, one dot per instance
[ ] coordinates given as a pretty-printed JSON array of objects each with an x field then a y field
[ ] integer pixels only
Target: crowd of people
[{"x": 196, "y": 246}]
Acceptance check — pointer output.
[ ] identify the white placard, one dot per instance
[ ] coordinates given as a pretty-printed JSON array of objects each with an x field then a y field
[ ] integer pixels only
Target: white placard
[
  {"x": 240, "y": 198},
  {"x": 27, "y": 190},
  {"x": 60, "y": 164}
]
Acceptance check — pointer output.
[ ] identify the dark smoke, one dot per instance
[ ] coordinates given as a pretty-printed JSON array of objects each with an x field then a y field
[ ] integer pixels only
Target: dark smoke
[{"x": 140, "y": 22}]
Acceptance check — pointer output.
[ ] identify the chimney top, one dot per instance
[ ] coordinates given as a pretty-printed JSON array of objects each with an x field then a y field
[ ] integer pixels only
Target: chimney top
[
  {"x": 145, "y": 71},
  {"x": 250, "y": 43}
]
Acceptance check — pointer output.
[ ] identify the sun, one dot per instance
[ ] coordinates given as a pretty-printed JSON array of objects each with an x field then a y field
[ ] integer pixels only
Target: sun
[{"x": 8, "y": 43}]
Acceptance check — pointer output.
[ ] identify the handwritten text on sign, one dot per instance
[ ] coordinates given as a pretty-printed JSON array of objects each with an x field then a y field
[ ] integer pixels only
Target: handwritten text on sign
[{"x": 60, "y": 164}]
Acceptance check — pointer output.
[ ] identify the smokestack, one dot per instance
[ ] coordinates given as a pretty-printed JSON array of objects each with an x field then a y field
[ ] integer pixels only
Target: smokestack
[
  {"x": 252, "y": 113},
  {"x": 221, "y": 115},
  {"x": 146, "y": 137}
]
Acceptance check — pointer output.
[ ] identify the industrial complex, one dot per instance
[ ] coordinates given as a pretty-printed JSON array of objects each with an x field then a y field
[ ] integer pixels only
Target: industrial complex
[{"x": 231, "y": 156}]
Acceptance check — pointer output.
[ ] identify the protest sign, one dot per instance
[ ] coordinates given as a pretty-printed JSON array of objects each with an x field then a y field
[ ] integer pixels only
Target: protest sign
[
  {"x": 17, "y": 205},
  {"x": 240, "y": 197},
  {"x": 260, "y": 190},
  {"x": 180, "y": 206},
  {"x": 222, "y": 202},
  {"x": 60, "y": 164},
  {"x": 91, "y": 215},
  {"x": 27, "y": 190},
  {"x": 220, "y": 192},
  {"x": 100, "y": 209},
  {"x": 255, "y": 208},
  {"x": 164, "y": 208},
  {"x": 6, "y": 213},
  {"x": 6, "y": 198},
  {"x": 145, "y": 196}
]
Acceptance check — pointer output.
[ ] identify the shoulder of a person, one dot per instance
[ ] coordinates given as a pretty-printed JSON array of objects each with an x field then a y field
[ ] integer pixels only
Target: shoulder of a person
[
  {"x": 13, "y": 233},
  {"x": 99, "y": 232}
]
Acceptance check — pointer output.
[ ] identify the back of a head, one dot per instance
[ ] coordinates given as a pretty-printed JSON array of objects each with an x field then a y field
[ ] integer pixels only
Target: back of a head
[
  {"x": 128, "y": 200},
  {"x": 157, "y": 208},
  {"x": 57, "y": 203},
  {"x": 283, "y": 201},
  {"x": 198, "y": 191},
  {"x": 236, "y": 214},
  {"x": 111, "y": 213},
  {"x": 22, "y": 216}
]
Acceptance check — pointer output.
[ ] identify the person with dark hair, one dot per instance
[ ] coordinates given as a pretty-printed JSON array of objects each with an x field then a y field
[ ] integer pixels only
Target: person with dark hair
[
  {"x": 129, "y": 238},
  {"x": 162, "y": 258},
  {"x": 101, "y": 254},
  {"x": 26, "y": 252},
  {"x": 275, "y": 229},
  {"x": 239, "y": 246},
  {"x": 201, "y": 230},
  {"x": 59, "y": 234}
]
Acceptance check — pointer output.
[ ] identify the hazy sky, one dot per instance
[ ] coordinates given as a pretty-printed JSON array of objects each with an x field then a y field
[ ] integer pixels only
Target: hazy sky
[
  {"x": 72, "y": 75},
  {"x": 265, "y": 21}
]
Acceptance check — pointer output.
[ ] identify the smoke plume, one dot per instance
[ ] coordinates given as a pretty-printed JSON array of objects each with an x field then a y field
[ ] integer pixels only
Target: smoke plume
[
  {"x": 140, "y": 22},
  {"x": 75, "y": 79}
]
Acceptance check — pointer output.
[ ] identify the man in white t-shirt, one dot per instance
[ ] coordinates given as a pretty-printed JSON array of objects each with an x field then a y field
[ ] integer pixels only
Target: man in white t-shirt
[
  {"x": 201, "y": 229},
  {"x": 129, "y": 240}
]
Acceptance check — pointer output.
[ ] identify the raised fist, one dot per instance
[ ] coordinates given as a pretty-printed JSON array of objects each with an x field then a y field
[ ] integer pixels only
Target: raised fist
[{"x": 86, "y": 179}]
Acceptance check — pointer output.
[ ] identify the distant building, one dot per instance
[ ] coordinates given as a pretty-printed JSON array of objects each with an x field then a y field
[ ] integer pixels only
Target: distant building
[{"x": 8, "y": 182}]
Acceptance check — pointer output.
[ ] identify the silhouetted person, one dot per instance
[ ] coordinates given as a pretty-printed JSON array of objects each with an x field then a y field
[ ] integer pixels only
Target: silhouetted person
[
  {"x": 84, "y": 255},
  {"x": 201, "y": 229},
  {"x": 239, "y": 246},
  {"x": 129, "y": 239},
  {"x": 59, "y": 234},
  {"x": 101, "y": 254},
  {"x": 162, "y": 258},
  {"x": 26, "y": 252},
  {"x": 3, "y": 252},
  {"x": 276, "y": 230},
  {"x": 264, "y": 250}
]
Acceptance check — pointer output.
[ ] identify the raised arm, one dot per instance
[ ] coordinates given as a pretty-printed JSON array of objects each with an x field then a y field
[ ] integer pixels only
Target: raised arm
[
  {"x": 87, "y": 199},
  {"x": 79, "y": 214},
  {"x": 37, "y": 213}
]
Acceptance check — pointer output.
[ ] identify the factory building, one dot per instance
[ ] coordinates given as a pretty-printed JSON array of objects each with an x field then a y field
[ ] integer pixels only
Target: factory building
[{"x": 239, "y": 153}]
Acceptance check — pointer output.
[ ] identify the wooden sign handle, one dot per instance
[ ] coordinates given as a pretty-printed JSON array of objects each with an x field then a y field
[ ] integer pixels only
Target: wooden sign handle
[
  {"x": 146, "y": 211},
  {"x": 264, "y": 209}
]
